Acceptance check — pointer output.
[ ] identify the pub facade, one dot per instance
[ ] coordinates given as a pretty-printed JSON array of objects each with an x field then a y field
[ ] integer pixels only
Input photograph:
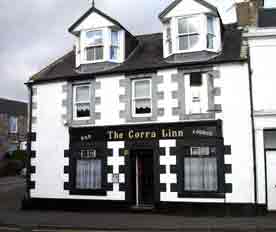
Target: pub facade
[{"x": 149, "y": 120}]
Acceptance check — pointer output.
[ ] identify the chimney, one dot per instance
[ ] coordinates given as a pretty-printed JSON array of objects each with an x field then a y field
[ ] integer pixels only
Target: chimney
[{"x": 247, "y": 12}]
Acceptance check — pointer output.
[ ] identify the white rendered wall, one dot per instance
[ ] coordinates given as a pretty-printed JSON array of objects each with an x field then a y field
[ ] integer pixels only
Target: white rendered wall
[
  {"x": 237, "y": 130},
  {"x": 262, "y": 52},
  {"x": 110, "y": 106}
]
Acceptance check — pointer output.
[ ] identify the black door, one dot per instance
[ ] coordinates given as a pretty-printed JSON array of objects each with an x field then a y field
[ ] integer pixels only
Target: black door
[{"x": 142, "y": 177}]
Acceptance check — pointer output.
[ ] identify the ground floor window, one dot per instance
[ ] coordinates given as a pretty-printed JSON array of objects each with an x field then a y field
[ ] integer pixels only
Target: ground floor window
[{"x": 89, "y": 174}]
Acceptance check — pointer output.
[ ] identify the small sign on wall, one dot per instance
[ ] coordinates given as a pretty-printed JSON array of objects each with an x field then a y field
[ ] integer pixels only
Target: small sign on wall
[{"x": 115, "y": 179}]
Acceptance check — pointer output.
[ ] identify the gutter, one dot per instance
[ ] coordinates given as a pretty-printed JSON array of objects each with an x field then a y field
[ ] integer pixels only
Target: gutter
[{"x": 253, "y": 128}]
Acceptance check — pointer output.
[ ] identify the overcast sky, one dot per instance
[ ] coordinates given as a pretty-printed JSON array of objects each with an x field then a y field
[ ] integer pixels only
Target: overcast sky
[{"x": 34, "y": 32}]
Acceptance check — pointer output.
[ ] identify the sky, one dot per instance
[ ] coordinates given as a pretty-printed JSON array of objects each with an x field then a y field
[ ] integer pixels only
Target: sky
[{"x": 35, "y": 32}]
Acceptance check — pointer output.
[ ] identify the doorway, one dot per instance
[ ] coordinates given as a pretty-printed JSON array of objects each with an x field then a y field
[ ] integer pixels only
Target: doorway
[{"x": 142, "y": 177}]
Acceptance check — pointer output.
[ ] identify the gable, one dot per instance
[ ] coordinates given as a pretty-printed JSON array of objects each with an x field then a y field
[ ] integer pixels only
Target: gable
[
  {"x": 187, "y": 7},
  {"x": 93, "y": 20}
]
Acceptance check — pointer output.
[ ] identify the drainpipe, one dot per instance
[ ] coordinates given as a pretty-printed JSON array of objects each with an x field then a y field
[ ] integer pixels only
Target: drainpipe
[{"x": 253, "y": 128}]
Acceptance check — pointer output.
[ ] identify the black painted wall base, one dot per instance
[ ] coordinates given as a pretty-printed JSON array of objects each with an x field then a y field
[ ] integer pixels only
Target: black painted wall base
[{"x": 169, "y": 208}]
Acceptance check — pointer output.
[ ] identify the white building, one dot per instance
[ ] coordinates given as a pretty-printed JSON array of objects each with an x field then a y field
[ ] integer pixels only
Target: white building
[
  {"x": 160, "y": 119},
  {"x": 262, "y": 48}
]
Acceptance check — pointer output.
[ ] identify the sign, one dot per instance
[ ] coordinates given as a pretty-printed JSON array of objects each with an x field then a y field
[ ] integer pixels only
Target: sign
[{"x": 147, "y": 132}]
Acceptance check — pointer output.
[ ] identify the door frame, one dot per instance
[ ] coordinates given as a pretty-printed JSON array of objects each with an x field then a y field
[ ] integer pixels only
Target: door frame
[
  {"x": 140, "y": 145},
  {"x": 266, "y": 185}
]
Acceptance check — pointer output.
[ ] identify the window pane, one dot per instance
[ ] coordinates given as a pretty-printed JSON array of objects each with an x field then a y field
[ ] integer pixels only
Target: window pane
[
  {"x": 269, "y": 3},
  {"x": 89, "y": 174},
  {"x": 210, "y": 25},
  {"x": 210, "y": 41},
  {"x": 83, "y": 110},
  {"x": 183, "y": 43},
  {"x": 142, "y": 88},
  {"x": 196, "y": 79},
  {"x": 193, "y": 40},
  {"x": 82, "y": 93},
  {"x": 99, "y": 53},
  {"x": 114, "y": 53},
  {"x": 200, "y": 174},
  {"x": 115, "y": 38},
  {"x": 183, "y": 26},
  {"x": 143, "y": 106},
  {"x": 13, "y": 124},
  {"x": 94, "y": 37}
]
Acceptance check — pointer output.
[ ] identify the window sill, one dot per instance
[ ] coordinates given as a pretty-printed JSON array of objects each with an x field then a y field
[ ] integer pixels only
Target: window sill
[{"x": 201, "y": 195}]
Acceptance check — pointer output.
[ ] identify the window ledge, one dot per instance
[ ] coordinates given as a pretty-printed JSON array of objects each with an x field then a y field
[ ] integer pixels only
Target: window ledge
[{"x": 201, "y": 195}]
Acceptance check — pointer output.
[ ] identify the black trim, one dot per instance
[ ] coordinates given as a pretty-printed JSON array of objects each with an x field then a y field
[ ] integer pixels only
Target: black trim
[
  {"x": 110, "y": 169},
  {"x": 174, "y": 188},
  {"x": 173, "y": 169},
  {"x": 227, "y": 150},
  {"x": 228, "y": 188},
  {"x": 227, "y": 168},
  {"x": 162, "y": 169},
  {"x": 66, "y": 186},
  {"x": 33, "y": 154},
  {"x": 30, "y": 184},
  {"x": 66, "y": 170},
  {"x": 66, "y": 153},
  {"x": 32, "y": 170},
  {"x": 32, "y": 136},
  {"x": 163, "y": 187},
  {"x": 253, "y": 127},
  {"x": 122, "y": 169}
]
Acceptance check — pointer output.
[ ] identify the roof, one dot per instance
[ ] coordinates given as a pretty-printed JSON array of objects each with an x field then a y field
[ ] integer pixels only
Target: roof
[
  {"x": 12, "y": 107},
  {"x": 147, "y": 57},
  {"x": 267, "y": 17},
  {"x": 94, "y": 9},
  {"x": 175, "y": 3}
]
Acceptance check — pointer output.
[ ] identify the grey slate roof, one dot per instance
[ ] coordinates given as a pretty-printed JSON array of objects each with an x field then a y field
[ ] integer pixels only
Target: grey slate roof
[
  {"x": 14, "y": 108},
  {"x": 147, "y": 57}
]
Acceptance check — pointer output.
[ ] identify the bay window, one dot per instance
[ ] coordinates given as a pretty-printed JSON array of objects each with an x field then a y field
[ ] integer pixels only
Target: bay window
[
  {"x": 81, "y": 102},
  {"x": 188, "y": 32},
  {"x": 141, "y": 97},
  {"x": 94, "y": 45}
]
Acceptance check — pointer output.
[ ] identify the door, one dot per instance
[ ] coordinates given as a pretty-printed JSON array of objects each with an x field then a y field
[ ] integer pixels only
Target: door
[
  {"x": 142, "y": 177},
  {"x": 271, "y": 179}
]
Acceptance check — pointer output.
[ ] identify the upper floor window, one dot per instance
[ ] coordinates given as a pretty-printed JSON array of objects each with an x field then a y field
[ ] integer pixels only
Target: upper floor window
[
  {"x": 269, "y": 4},
  {"x": 210, "y": 32},
  {"x": 94, "y": 45},
  {"x": 114, "y": 50},
  {"x": 188, "y": 33},
  {"x": 81, "y": 102},
  {"x": 141, "y": 98},
  {"x": 197, "y": 99},
  {"x": 13, "y": 127}
]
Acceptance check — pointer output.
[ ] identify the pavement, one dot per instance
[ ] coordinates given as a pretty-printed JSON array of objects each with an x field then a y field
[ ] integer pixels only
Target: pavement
[{"x": 12, "y": 218}]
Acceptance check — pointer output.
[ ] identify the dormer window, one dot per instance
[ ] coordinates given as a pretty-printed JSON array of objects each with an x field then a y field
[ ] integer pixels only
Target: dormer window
[
  {"x": 94, "y": 45},
  {"x": 188, "y": 33}
]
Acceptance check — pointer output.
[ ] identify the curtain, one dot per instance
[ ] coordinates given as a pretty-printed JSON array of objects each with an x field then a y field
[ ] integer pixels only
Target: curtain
[
  {"x": 89, "y": 174},
  {"x": 200, "y": 174}
]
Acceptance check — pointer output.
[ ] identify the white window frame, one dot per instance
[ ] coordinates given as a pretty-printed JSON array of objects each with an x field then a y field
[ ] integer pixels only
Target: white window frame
[
  {"x": 169, "y": 43},
  {"x": 115, "y": 45},
  {"x": 269, "y": 4},
  {"x": 198, "y": 16},
  {"x": 211, "y": 34},
  {"x": 16, "y": 125},
  {"x": 133, "y": 98},
  {"x": 89, "y": 45},
  {"x": 82, "y": 102}
]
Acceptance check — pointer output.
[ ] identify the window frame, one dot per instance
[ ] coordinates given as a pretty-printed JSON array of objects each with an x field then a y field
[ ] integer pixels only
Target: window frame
[
  {"x": 213, "y": 35},
  {"x": 75, "y": 87},
  {"x": 133, "y": 98},
  {"x": 16, "y": 125},
  {"x": 168, "y": 40},
  {"x": 188, "y": 17},
  {"x": 89, "y": 45}
]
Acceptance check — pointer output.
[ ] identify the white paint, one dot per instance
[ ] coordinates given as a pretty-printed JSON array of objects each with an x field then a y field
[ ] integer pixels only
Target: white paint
[
  {"x": 271, "y": 179},
  {"x": 237, "y": 130},
  {"x": 187, "y": 7},
  {"x": 168, "y": 103},
  {"x": 110, "y": 106},
  {"x": 94, "y": 20}
]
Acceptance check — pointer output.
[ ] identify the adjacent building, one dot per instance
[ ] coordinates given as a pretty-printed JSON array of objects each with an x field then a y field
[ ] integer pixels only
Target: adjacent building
[
  {"x": 160, "y": 119},
  {"x": 260, "y": 35},
  {"x": 13, "y": 125}
]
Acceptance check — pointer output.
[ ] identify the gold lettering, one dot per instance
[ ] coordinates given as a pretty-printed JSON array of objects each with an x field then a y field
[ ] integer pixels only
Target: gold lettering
[{"x": 130, "y": 134}]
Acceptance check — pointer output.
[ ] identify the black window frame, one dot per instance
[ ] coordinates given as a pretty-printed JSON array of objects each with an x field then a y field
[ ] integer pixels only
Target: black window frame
[
  {"x": 181, "y": 145},
  {"x": 101, "y": 154}
]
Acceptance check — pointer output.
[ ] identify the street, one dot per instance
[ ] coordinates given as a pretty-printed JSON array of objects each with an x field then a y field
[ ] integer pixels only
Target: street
[{"x": 12, "y": 218}]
